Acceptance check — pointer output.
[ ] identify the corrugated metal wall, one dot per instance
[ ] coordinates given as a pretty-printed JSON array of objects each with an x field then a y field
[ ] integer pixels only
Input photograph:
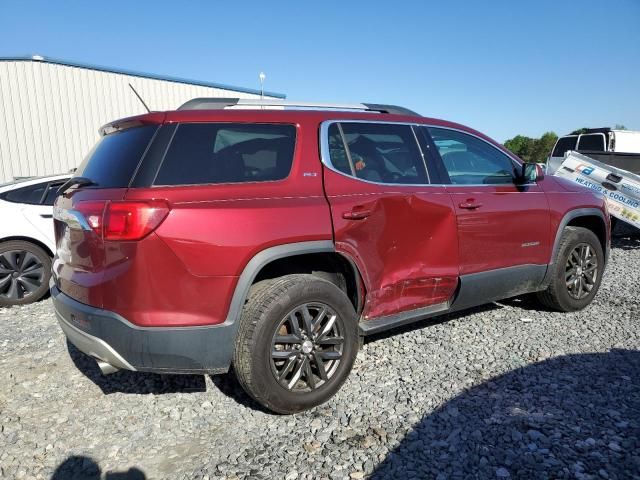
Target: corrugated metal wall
[{"x": 50, "y": 113}]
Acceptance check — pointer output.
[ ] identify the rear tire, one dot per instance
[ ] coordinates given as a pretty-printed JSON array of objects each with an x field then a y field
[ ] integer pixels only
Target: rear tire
[
  {"x": 297, "y": 341},
  {"x": 577, "y": 271},
  {"x": 25, "y": 270}
]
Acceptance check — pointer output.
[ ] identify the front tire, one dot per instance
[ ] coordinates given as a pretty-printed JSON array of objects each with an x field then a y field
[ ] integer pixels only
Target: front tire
[
  {"x": 577, "y": 271},
  {"x": 25, "y": 270},
  {"x": 297, "y": 341}
]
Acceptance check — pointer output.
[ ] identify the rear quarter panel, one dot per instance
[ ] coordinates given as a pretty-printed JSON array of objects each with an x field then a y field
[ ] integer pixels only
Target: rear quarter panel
[
  {"x": 212, "y": 232},
  {"x": 216, "y": 229}
]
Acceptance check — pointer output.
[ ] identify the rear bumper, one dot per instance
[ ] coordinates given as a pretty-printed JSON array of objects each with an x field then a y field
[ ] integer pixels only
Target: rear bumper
[{"x": 108, "y": 337}]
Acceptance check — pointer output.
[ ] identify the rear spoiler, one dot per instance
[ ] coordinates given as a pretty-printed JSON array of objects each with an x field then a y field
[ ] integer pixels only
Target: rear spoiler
[{"x": 152, "y": 118}]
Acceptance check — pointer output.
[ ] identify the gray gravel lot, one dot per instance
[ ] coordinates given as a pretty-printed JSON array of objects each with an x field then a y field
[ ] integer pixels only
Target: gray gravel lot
[{"x": 503, "y": 391}]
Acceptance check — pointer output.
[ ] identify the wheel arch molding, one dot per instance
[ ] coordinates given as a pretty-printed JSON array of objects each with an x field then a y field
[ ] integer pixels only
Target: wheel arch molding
[
  {"x": 318, "y": 257},
  {"x": 582, "y": 217}
]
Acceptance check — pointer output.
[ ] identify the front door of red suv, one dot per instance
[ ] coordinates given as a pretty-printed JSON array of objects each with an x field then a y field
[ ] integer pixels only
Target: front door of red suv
[
  {"x": 398, "y": 229},
  {"x": 500, "y": 224}
]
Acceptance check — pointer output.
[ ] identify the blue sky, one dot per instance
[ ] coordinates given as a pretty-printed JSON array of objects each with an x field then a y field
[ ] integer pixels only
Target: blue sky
[{"x": 503, "y": 67}]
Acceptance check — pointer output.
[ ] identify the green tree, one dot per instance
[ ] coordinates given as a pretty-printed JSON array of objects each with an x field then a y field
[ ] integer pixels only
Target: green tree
[
  {"x": 532, "y": 149},
  {"x": 542, "y": 147},
  {"x": 619, "y": 126},
  {"x": 521, "y": 146},
  {"x": 579, "y": 131}
]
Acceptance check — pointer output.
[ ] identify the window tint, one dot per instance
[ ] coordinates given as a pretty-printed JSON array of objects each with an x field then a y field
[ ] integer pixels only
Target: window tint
[
  {"x": 115, "y": 157},
  {"x": 563, "y": 145},
  {"x": 594, "y": 142},
  {"x": 203, "y": 153},
  {"x": 337, "y": 152},
  {"x": 382, "y": 153},
  {"x": 31, "y": 194},
  {"x": 471, "y": 161},
  {"x": 52, "y": 193}
]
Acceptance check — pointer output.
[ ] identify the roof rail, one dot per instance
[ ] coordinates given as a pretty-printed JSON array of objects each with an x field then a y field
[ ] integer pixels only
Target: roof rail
[{"x": 222, "y": 103}]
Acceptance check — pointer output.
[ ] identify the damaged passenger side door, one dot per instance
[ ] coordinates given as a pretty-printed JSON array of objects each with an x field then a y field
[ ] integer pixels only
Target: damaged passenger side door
[{"x": 397, "y": 227}]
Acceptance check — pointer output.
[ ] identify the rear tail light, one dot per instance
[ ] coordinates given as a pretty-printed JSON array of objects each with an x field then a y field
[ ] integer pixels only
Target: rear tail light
[
  {"x": 132, "y": 220},
  {"x": 124, "y": 220},
  {"x": 92, "y": 213}
]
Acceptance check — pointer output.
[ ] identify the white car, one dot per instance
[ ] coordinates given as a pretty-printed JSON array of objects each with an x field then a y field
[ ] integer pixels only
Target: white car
[{"x": 26, "y": 238}]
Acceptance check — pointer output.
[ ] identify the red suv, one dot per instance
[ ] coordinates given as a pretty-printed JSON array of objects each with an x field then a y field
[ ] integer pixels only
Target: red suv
[{"x": 271, "y": 238}]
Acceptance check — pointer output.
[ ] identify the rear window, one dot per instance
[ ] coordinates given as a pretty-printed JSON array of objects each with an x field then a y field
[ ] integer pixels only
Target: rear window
[
  {"x": 114, "y": 159},
  {"x": 210, "y": 153},
  {"x": 563, "y": 145},
  {"x": 594, "y": 143}
]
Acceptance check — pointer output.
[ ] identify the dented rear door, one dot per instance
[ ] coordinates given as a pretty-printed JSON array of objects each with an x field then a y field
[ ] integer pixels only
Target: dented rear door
[{"x": 398, "y": 229}]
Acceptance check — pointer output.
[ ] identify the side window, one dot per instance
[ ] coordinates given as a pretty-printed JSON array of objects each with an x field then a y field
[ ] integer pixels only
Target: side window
[
  {"x": 563, "y": 145},
  {"x": 471, "y": 161},
  {"x": 31, "y": 194},
  {"x": 52, "y": 193},
  {"x": 377, "y": 152},
  {"x": 209, "y": 153}
]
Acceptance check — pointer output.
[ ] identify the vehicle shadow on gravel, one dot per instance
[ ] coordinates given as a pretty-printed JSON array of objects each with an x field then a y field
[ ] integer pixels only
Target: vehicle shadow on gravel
[
  {"x": 135, "y": 382},
  {"x": 125, "y": 381},
  {"x": 626, "y": 242},
  {"x": 576, "y": 416},
  {"x": 625, "y": 236},
  {"x": 228, "y": 385},
  {"x": 525, "y": 302},
  {"x": 79, "y": 467}
]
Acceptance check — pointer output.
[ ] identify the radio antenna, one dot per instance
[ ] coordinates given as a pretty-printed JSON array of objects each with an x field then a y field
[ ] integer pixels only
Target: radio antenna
[{"x": 140, "y": 98}]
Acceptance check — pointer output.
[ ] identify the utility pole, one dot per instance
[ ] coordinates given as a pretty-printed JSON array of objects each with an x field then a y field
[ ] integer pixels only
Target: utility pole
[{"x": 262, "y": 77}]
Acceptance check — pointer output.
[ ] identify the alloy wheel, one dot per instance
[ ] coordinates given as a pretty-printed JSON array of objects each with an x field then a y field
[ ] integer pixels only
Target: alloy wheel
[
  {"x": 581, "y": 271},
  {"x": 21, "y": 274},
  {"x": 307, "y": 347}
]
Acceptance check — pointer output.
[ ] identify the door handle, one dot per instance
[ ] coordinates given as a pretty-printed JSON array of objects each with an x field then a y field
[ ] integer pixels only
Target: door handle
[
  {"x": 356, "y": 214},
  {"x": 470, "y": 204}
]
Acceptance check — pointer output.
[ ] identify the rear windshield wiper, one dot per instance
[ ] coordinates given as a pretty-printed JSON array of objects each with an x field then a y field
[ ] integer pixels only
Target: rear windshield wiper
[{"x": 75, "y": 181}]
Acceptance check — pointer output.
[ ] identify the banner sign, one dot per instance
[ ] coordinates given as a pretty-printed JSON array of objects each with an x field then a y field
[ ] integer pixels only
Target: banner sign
[{"x": 620, "y": 188}]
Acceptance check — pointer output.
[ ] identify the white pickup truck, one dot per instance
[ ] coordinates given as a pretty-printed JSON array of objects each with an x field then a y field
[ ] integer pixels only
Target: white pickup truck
[
  {"x": 620, "y": 188},
  {"x": 618, "y": 148}
]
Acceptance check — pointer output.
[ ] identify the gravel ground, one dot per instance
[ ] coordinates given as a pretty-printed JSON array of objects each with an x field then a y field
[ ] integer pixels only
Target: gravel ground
[{"x": 503, "y": 391}]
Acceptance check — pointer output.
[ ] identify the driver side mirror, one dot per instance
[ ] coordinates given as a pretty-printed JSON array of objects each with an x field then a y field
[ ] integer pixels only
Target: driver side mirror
[{"x": 531, "y": 173}]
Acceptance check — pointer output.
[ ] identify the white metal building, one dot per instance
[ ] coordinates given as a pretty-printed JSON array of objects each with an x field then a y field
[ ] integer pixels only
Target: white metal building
[{"x": 51, "y": 109}]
